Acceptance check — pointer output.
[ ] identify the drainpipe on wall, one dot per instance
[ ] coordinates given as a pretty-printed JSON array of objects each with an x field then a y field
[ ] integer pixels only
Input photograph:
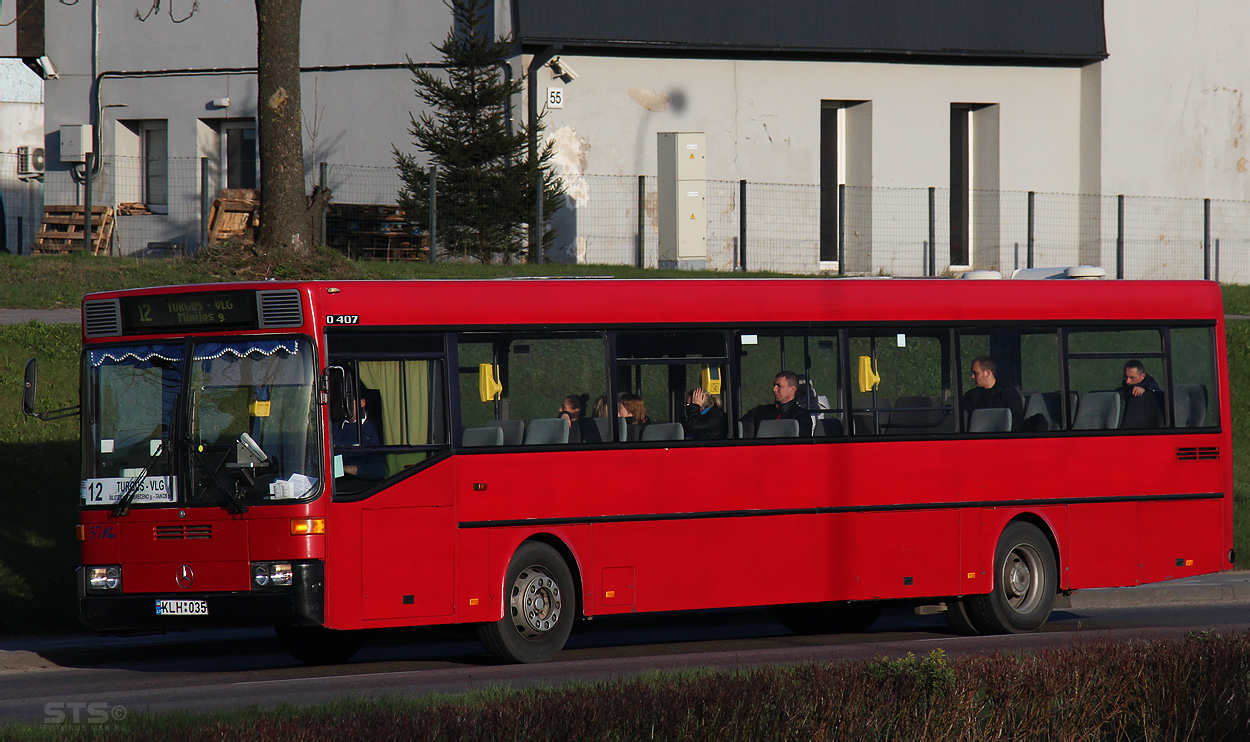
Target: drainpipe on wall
[{"x": 536, "y": 63}]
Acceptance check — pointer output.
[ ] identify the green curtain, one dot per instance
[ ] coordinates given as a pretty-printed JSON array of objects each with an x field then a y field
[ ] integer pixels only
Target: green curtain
[{"x": 404, "y": 389}]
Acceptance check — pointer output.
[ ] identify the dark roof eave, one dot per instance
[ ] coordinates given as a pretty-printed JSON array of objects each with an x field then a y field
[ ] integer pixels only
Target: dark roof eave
[{"x": 604, "y": 47}]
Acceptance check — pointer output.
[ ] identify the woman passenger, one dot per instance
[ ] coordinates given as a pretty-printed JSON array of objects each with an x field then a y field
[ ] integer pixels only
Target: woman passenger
[
  {"x": 634, "y": 410},
  {"x": 705, "y": 421}
]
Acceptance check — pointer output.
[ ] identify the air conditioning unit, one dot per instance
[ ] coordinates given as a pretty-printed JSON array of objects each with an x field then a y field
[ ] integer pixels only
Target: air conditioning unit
[{"x": 30, "y": 160}]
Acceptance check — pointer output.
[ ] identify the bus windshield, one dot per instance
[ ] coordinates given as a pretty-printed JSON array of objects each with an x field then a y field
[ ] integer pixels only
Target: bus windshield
[{"x": 205, "y": 423}]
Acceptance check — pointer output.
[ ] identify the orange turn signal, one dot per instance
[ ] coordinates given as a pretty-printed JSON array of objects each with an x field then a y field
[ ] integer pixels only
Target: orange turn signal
[
  {"x": 81, "y": 532},
  {"x": 307, "y": 526}
]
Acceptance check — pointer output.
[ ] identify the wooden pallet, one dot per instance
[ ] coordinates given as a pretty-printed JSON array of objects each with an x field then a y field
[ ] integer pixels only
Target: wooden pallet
[
  {"x": 371, "y": 232},
  {"x": 234, "y": 214},
  {"x": 63, "y": 226}
]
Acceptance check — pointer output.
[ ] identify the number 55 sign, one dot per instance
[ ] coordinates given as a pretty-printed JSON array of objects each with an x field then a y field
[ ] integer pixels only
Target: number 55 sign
[{"x": 555, "y": 97}]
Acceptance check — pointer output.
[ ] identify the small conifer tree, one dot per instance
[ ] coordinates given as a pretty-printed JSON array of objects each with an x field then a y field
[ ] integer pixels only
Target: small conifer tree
[{"x": 486, "y": 179}]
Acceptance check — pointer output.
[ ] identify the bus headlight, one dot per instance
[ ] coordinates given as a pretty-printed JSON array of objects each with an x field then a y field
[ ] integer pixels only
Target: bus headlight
[
  {"x": 104, "y": 579},
  {"x": 271, "y": 575}
]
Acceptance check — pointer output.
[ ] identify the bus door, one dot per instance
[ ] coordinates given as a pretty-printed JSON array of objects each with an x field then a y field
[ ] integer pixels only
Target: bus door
[{"x": 385, "y": 443}]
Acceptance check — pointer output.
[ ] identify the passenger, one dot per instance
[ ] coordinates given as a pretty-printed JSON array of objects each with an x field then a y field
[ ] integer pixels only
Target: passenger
[
  {"x": 601, "y": 407},
  {"x": 360, "y": 430},
  {"x": 989, "y": 394},
  {"x": 1142, "y": 396},
  {"x": 784, "y": 407},
  {"x": 705, "y": 421},
  {"x": 634, "y": 410},
  {"x": 572, "y": 409}
]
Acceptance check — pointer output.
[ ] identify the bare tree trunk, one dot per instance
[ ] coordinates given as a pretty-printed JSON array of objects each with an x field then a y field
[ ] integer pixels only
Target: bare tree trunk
[{"x": 283, "y": 223}]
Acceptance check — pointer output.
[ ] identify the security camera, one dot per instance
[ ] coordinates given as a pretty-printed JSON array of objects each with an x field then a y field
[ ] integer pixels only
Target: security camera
[
  {"x": 562, "y": 70},
  {"x": 44, "y": 68}
]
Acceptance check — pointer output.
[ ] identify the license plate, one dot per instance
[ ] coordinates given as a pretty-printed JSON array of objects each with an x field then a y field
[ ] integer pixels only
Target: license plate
[{"x": 182, "y": 607}]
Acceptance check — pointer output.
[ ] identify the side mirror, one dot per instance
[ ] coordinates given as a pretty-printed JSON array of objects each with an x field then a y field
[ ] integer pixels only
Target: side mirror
[
  {"x": 342, "y": 394},
  {"x": 31, "y": 385}
]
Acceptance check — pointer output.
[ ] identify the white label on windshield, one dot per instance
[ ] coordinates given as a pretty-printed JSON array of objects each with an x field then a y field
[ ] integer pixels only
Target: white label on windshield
[
  {"x": 109, "y": 490},
  {"x": 106, "y": 445}
]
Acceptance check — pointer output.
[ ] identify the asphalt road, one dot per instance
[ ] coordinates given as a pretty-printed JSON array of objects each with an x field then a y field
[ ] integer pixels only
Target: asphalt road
[{"x": 208, "y": 670}]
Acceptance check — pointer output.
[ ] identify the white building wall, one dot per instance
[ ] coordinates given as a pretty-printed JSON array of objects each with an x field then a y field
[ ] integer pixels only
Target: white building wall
[{"x": 1175, "y": 103}]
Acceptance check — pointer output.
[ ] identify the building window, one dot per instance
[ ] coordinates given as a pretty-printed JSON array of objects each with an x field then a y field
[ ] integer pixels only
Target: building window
[
  {"x": 154, "y": 140},
  {"x": 845, "y": 160},
  {"x": 974, "y": 212},
  {"x": 239, "y": 162}
]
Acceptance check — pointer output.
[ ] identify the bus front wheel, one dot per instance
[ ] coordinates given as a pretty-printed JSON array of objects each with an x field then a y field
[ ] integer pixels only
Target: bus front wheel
[
  {"x": 1025, "y": 581},
  {"x": 540, "y": 608}
]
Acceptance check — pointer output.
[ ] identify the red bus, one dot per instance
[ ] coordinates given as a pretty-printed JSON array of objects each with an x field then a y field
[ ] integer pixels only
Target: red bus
[{"x": 334, "y": 456}]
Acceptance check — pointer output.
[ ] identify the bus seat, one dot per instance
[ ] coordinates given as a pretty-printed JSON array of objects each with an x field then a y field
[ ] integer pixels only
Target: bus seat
[
  {"x": 1097, "y": 411},
  {"x": 664, "y": 432},
  {"x": 604, "y": 426},
  {"x": 513, "y": 430},
  {"x": 829, "y": 427},
  {"x": 488, "y": 436},
  {"x": 990, "y": 420},
  {"x": 547, "y": 431},
  {"x": 778, "y": 429},
  {"x": 916, "y": 415},
  {"x": 1190, "y": 405},
  {"x": 1045, "y": 404}
]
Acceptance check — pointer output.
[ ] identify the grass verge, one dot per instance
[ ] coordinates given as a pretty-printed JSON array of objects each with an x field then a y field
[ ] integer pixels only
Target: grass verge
[
  {"x": 59, "y": 281},
  {"x": 1193, "y": 688}
]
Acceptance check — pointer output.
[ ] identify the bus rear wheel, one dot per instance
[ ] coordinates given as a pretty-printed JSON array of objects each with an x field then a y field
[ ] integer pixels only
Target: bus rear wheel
[
  {"x": 1025, "y": 582},
  {"x": 541, "y": 605},
  {"x": 828, "y": 618},
  {"x": 317, "y": 645}
]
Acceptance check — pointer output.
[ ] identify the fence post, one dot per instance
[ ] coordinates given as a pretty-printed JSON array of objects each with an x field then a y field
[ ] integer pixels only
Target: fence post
[
  {"x": 433, "y": 257},
  {"x": 205, "y": 203},
  {"x": 932, "y": 231},
  {"x": 640, "y": 250},
  {"x": 1119, "y": 236},
  {"x": 87, "y": 245},
  {"x": 742, "y": 225},
  {"x": 19, "y": 235},
  {"x": 1217, "y": 257},
  {"x": 1206, "y": 239},
  {"x": 323, "y": 172},
  {"x": 1032, "y": 221},
  {"x": 841, "y": 229}
]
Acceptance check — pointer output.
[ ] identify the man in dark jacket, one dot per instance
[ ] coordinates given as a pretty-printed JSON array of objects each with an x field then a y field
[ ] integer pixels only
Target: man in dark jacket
[
  {"x": 784, "y": 407},
  {"x": 989, "y": 393},
  {"x": 1143, "y": 398}
]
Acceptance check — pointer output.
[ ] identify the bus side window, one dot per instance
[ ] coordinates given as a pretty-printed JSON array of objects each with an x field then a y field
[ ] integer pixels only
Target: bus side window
[
  {"x": 1098, "y": 396},
  {"x": 1194, "y": 401},
  {"x": 812, "y": 357},
  {"x": 914, "y": 394},
  {"x": 536, "y": 372},
  {"x": 400, "y": 418}
]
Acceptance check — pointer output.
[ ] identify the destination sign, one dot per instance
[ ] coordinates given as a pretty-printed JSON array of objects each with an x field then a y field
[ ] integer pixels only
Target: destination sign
[{"x": 210, "y": 310}]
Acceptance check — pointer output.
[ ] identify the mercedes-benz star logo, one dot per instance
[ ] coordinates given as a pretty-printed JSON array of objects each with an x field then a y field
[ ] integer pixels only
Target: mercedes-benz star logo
[{"x": 185, "y": 577}]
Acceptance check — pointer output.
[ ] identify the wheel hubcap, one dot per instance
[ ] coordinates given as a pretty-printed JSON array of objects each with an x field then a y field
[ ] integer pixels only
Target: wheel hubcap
[
  {"x": 536, "y": 603},
  {"x": 1022, "y": 575}
]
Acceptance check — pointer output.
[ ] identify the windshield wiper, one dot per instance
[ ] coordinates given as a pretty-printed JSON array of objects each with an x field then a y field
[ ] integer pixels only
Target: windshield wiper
[{"x": 134, "y": 485}]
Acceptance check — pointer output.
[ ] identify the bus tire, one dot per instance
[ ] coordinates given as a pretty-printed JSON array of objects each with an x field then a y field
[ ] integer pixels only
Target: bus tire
[
  {"x": 317, "y": 645},
  {"x": 539, "y": 608},
  {"x": 1025, "y": 582},
  {"x": 828, "y": 618},
  {"x": 958, "y": 617}
]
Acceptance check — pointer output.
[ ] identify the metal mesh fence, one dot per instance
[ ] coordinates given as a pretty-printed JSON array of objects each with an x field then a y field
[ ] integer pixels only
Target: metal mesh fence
[{"x": 612, "y": 219}]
